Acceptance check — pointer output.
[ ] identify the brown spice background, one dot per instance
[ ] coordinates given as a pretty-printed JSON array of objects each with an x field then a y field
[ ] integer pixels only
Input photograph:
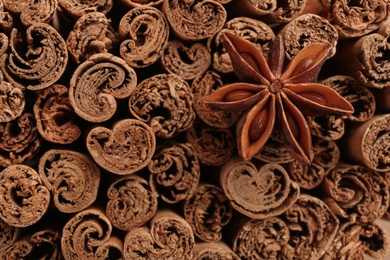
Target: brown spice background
[{"x": 48, "y": 47}]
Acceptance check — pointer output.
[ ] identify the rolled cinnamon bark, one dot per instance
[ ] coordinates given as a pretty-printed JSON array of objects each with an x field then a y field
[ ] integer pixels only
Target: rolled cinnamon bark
[
  {"x": 175, "y": 171},
  {"x": 77, "y": 8},
  {"x": 382, "y": 100},
  {"x": 386, "y": 176},
  {"x": 169, "y": 237},
  {"x": 42, "y": 64},
  {"x": 138, "y": 3},
  {"x": 12, "y": 102},
  {"x": 213, "y": 146},
  {"x": 6, "y": 20},
  {"x": 32, "y": 12},
  {"x": 44, "y": 244},
  {"x": 356, "y": 192},
  {"x": 72, "y": 177},
  {"x": 4, "y": 43},
  {"x": 55, "y": 116},
  {"x": 207, "y": 212},
  {"x": 274, "y": 151},
  {"x": 367, "y": 61},
  {"x": 24, "y": 198},
  {"x": 8, "y": 235},
  {"x": 187, "y": 61},
  {"x": 124, "y": 149},
  {"x": 214, "y": 250},
  {"x": 97, "y": 83},
  {"x": 202, "y": 86},
  {"x": 91, "y": 34},
  {"x": 258, "y": 192},
  {"x": 357, "y": 19},
  {"x": 165, "y": 102},
  {"x": 354, "y": 239},
  {"x": 252, "y": 30},
  {"x": 327, "y": 127},
  {"x": 305, "y": 30},
  {"x": 144, "y": 33},
  {"x": 326, "y": 157},
  {"x": 131, "y": 203},
  {"x": 368, "y": 143},
  {"x": 19, "y": 140},
  {"x": 193, "y": 20},
  {"x": 87, "y": 235}
]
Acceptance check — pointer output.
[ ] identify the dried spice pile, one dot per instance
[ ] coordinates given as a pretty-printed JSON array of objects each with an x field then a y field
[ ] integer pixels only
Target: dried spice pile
[{"x": 109, "y": 148}]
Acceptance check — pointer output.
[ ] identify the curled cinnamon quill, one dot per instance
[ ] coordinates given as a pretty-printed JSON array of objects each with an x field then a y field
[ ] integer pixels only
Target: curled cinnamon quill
[
  {"x": 141, "y": 3},
  {"x": 24, "y": 197},
  {"x": 72, "y": 177},
  {"x": 43, "y": 62},
  {"x": 77, "y": 8},
  {"x": 12, "y": 102},
  {"x": 144, "y": 32},
  {"x": 8, "y": 235},
  {"x": 214, "y": 250}
]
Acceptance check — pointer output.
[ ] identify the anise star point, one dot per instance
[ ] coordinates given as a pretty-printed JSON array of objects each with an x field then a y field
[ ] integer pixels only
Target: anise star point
[{"x": 270, "y": 95}]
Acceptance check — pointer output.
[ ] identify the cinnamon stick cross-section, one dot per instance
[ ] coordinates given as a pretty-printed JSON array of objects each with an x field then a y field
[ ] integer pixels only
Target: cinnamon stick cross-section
[
  {"x": 76, "y": 9},
  {"x": 24, "y": 197},
  {"x": 124, "y": 149},
  {"x": 72, "y": 177},
  {"x": 12, "y": 102}
]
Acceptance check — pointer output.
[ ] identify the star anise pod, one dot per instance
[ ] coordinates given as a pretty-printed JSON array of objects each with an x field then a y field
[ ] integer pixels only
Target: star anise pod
[{"x": 271, "y": 96}]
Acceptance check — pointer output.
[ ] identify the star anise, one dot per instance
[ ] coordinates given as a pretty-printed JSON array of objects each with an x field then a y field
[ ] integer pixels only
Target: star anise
[{"x": 271, "y": 96}]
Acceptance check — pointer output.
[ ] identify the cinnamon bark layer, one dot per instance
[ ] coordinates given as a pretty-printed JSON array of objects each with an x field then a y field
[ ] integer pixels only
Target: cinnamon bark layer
[
  {"x": 97, "y": 83},
  {"x": 213, "y": 146},
  {"x": 214, "y": 250},
  {"x": 55, "y": 116},
  {"x": 31, "y": 12},
  {"x": 12, "y": 102},
  {"x": 175, "y": 172},
  {"x": 87, "y": 235},
  {"x": 258, "y": 192},
  {"x": 72, "y": 177},
  {"x": 138, "y": 3},
  {"x": 77, "y": 8},
  {"x": 169, "y": 237},
  {"x": 309, "y": 176},
  {"x": 43, "y": 62},
  {"x": 19, "y": 140},
  {"x": 24, "y": 198},
  {"x": 8, "y": 235},
  {"x": 368, "y": 143},
  {"x": 92, "y": 33},
  {"x": 274, "y": 151},
  {"x": 193, "y": 20},
  {"x": 131, "y": 203},
  {"x": 144, "y": 33},
  {"x": 356, "y": 192},
  {"x": 124, "y": 149},
  {"x": 4, "y": 41},
  {"x": 207, "y": 212},
  {"x": 165, "y": 103},
  {"x": 327, "y": 127},
  {"x": 187, "y": 61}
]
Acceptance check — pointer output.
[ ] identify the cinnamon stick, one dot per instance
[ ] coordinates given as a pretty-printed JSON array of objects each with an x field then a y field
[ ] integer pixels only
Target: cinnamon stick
[
  {"x": 24, "y": 197},
  {"x": 138, "y": 3},
  {"x": 124, "y": 149},
  {"x": 214, "y": 250},
  {"x": 274, "y": 151},
  {"x": 8, "y": 234},
  {"x": 12, "y": 102},
  {"x": 72, "y": 177},
  {"x": 76, "y": 9}
]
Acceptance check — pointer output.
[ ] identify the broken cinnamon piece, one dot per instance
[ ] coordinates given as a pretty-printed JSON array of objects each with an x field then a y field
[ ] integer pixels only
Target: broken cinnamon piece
[
  {"x": 207, "y": 211},
  {"x": 92, "y": 33},
  {"x": 214, "y": 250},
  {"x": 258, "y": 191},
  {"x": 212, "y": 146},
  {"x": 12, "y": 102},
  {"x": 309, "y": 176},
  {"x": 124, "y": 149},
  {"x": 202, "y": 86},
  {"x": 356, "y": 192},
  {"x": 368, "y": 143},
  {"x": 307, "y": 29},
  {"x": 131, "y": 203},
  {"x": 88, "y": 235},
  {"x": 169, "y": 237},
  {"x": 55, "y": 116},
  {"x": 253, "y": 30},
  {"x": 24, "y": 198},
  {"x": 72, "y": 177},
  {"x": 19, "y": 140},
  {"x": 32, "y": 12},
  {"x": 144, "y": 33},
  {"x": 77, "y": 8},
  {"x": 43, "y": 62},
  {"x": 194, "y": 20},
  {"x": 175, "y": 171},
  {"x": 165, "y": 103},
  {"x": 97, "y": 83},
  {"x": 8, "y": 235},
  {"x": 186, "y": 60}
]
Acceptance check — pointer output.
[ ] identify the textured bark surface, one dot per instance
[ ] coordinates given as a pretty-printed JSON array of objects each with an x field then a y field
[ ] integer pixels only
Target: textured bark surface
[
  {"x": 12, "y": 102},
  {"x": 77, "y": 8},
  {"x": 214, "y": 250}
]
